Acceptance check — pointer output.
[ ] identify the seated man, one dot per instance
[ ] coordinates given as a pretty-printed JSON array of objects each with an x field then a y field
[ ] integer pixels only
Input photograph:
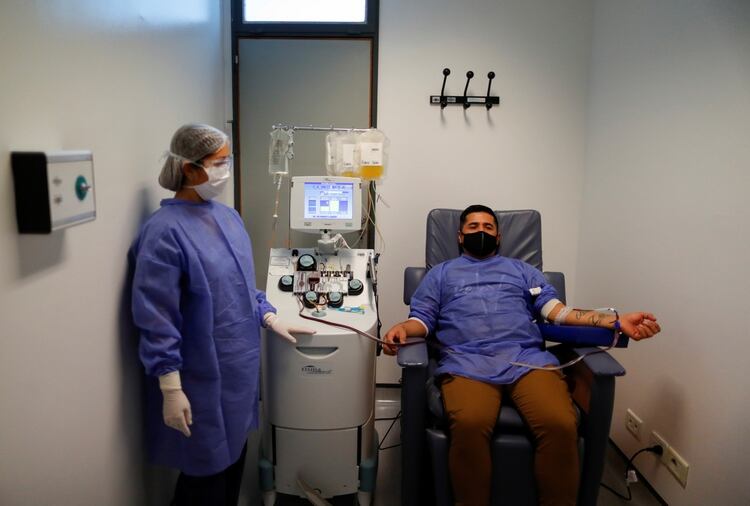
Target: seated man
[{"x": 482, "y": 309}]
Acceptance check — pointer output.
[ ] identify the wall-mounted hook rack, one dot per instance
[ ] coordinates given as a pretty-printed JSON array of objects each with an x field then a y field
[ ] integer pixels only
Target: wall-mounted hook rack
[
  {"x": 490, "y": 77},
  {"x": 443, "y": 102},
  {"x": 469, "y": 75},
  {"x": 466, "y": 100}
]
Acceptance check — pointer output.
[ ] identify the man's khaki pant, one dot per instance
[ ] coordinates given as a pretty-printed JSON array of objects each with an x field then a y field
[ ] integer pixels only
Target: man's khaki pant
[{"x": 543, "y": 400}]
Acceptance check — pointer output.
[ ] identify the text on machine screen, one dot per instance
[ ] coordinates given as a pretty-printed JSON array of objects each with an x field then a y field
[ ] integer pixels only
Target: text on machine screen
[{"x": 329, "y": 201}]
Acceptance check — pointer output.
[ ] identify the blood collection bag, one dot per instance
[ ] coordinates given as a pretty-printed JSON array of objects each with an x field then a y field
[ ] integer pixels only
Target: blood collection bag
[{"x": 372, "y": 154}]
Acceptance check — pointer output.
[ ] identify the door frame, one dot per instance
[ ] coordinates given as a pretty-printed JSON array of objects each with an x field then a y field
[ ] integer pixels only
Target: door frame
[{"x": 343, "y": 31}]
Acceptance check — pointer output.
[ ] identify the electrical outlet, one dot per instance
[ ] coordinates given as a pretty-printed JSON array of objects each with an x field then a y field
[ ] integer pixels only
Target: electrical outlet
[
  {"x": 677, "y": 465},
  {"x": 633, "y": 424},
  {"x": 657, "y": 439}
]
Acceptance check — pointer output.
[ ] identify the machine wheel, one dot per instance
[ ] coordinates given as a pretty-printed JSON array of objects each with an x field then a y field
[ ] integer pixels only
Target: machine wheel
[
  {"x": 364, "y": 498},
  {"x": 269, "y": 498}
]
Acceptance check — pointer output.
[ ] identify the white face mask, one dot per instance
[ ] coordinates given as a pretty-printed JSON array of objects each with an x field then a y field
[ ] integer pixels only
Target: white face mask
[{"x": 218, "y": 177}]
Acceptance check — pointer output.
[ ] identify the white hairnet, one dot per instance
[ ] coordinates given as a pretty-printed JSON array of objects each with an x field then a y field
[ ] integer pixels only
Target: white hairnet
[{"x": 191, "y": 142}]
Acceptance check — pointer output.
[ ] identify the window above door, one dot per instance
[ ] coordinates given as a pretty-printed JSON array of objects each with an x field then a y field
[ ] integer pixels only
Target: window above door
[
  {"x": 304, "y": 11},
  {"x": 306, "y": 18}
]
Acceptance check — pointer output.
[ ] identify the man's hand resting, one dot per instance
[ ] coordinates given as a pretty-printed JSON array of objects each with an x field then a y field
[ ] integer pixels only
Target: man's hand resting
[
  {"x": 639, "y": 325},
  {"x": 397, "y": 334}
]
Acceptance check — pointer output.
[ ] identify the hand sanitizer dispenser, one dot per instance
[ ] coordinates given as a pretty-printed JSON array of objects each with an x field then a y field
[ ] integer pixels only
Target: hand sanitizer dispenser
[{"x": 54, "y": 189}]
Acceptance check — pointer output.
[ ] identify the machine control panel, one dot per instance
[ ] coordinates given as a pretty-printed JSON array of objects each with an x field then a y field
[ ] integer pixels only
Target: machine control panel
[
  {"x": 340, "y": 292},
  {"x": 306, "y": 263},
  {"x": 355, "y": 287},
  {"x": 339, "y": 283},
  {"x": 286, "y": 283}
]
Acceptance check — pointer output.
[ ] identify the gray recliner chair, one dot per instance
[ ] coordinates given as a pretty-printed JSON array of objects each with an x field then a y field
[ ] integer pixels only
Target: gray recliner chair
[{"x": 424, "y": 433}]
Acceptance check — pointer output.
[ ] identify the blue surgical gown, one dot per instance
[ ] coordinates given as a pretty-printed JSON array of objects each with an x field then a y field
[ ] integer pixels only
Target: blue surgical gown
[
  {"x": 198, "y": 311},
  {"x": 483, "y": 314}
]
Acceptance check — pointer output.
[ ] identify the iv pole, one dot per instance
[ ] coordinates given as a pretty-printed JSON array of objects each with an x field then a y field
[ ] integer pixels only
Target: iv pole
[{"x": 312, "y": 128}]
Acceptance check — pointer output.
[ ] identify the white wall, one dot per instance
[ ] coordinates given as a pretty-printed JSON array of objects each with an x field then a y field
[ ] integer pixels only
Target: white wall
[
  {"x": 662, "y": 226},
  {"x": 117, "y": 78},
  {"x": 665, "y": 228},
  {"x": 528, "y": 153}
]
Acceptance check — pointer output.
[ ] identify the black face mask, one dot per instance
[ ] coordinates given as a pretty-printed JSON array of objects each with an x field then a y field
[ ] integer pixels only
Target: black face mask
[{"x": 480, "y": 244}]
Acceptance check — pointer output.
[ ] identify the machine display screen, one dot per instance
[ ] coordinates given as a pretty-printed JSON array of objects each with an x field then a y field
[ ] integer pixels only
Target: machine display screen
[{"x": 329, "y": 200}]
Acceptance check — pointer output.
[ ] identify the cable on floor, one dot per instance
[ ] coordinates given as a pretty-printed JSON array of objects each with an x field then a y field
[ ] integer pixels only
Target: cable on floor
[
  {"x": 657, "y": 449},
  {"x": 380, "y": 444}
]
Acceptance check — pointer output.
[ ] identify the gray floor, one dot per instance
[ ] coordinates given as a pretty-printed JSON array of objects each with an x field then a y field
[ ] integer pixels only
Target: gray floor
[
  {"x": 387, "y": 493},
  {"x": 388, "y": 482}
]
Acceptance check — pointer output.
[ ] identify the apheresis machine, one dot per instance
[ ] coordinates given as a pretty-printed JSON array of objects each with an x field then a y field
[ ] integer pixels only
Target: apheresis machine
[{"x": 319, "y": 438}]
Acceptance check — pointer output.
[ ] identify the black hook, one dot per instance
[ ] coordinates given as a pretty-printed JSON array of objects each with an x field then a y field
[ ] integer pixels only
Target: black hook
[
  {"x": 469, "y": 75},
  {"x": 491, "y": 76},
  {"x": 443, "y": 101}
]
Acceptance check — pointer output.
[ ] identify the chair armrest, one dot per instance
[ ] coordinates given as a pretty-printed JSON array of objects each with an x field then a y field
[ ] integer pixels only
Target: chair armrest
[
  {"x": 581, "y": 335},
  {"x": 412, "y": 278},
  {"x": 413, "y": 355},
  {"x": 599, "y": 364}
]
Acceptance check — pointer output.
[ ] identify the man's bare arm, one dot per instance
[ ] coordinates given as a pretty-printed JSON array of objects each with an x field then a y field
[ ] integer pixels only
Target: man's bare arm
[
  {"x": 638, "y": 325},
  {"x": 399, "y": 332}
]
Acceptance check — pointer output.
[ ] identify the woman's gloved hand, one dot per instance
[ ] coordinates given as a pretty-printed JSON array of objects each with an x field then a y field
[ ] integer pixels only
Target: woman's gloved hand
[
  {"x": 273, "y": 322},
  {"x": 176, "y": 409}
]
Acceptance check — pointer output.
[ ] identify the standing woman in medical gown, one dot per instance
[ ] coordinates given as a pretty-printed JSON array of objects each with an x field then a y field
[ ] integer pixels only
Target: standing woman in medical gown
[{"x": 199, "y": 315}]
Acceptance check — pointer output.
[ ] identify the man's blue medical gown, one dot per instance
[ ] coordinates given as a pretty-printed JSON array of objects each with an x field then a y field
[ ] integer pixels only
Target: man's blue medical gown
[
  {"x": 483, "y": 313},
  {"x": 196, "y": 305}
]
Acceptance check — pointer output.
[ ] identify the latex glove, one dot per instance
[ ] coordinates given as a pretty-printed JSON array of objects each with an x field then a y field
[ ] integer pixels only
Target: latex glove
[
  {"x": 176, "y": 409},
  {"x": 272, "y": 321}
]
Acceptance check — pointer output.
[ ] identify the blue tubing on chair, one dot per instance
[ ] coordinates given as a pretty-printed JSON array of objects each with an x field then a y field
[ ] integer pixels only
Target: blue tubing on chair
[{"x": 581, "y": 336}]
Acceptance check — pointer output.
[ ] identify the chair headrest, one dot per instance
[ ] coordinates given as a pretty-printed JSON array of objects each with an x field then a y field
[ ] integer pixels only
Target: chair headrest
[{"x": 521, "y": 233}]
